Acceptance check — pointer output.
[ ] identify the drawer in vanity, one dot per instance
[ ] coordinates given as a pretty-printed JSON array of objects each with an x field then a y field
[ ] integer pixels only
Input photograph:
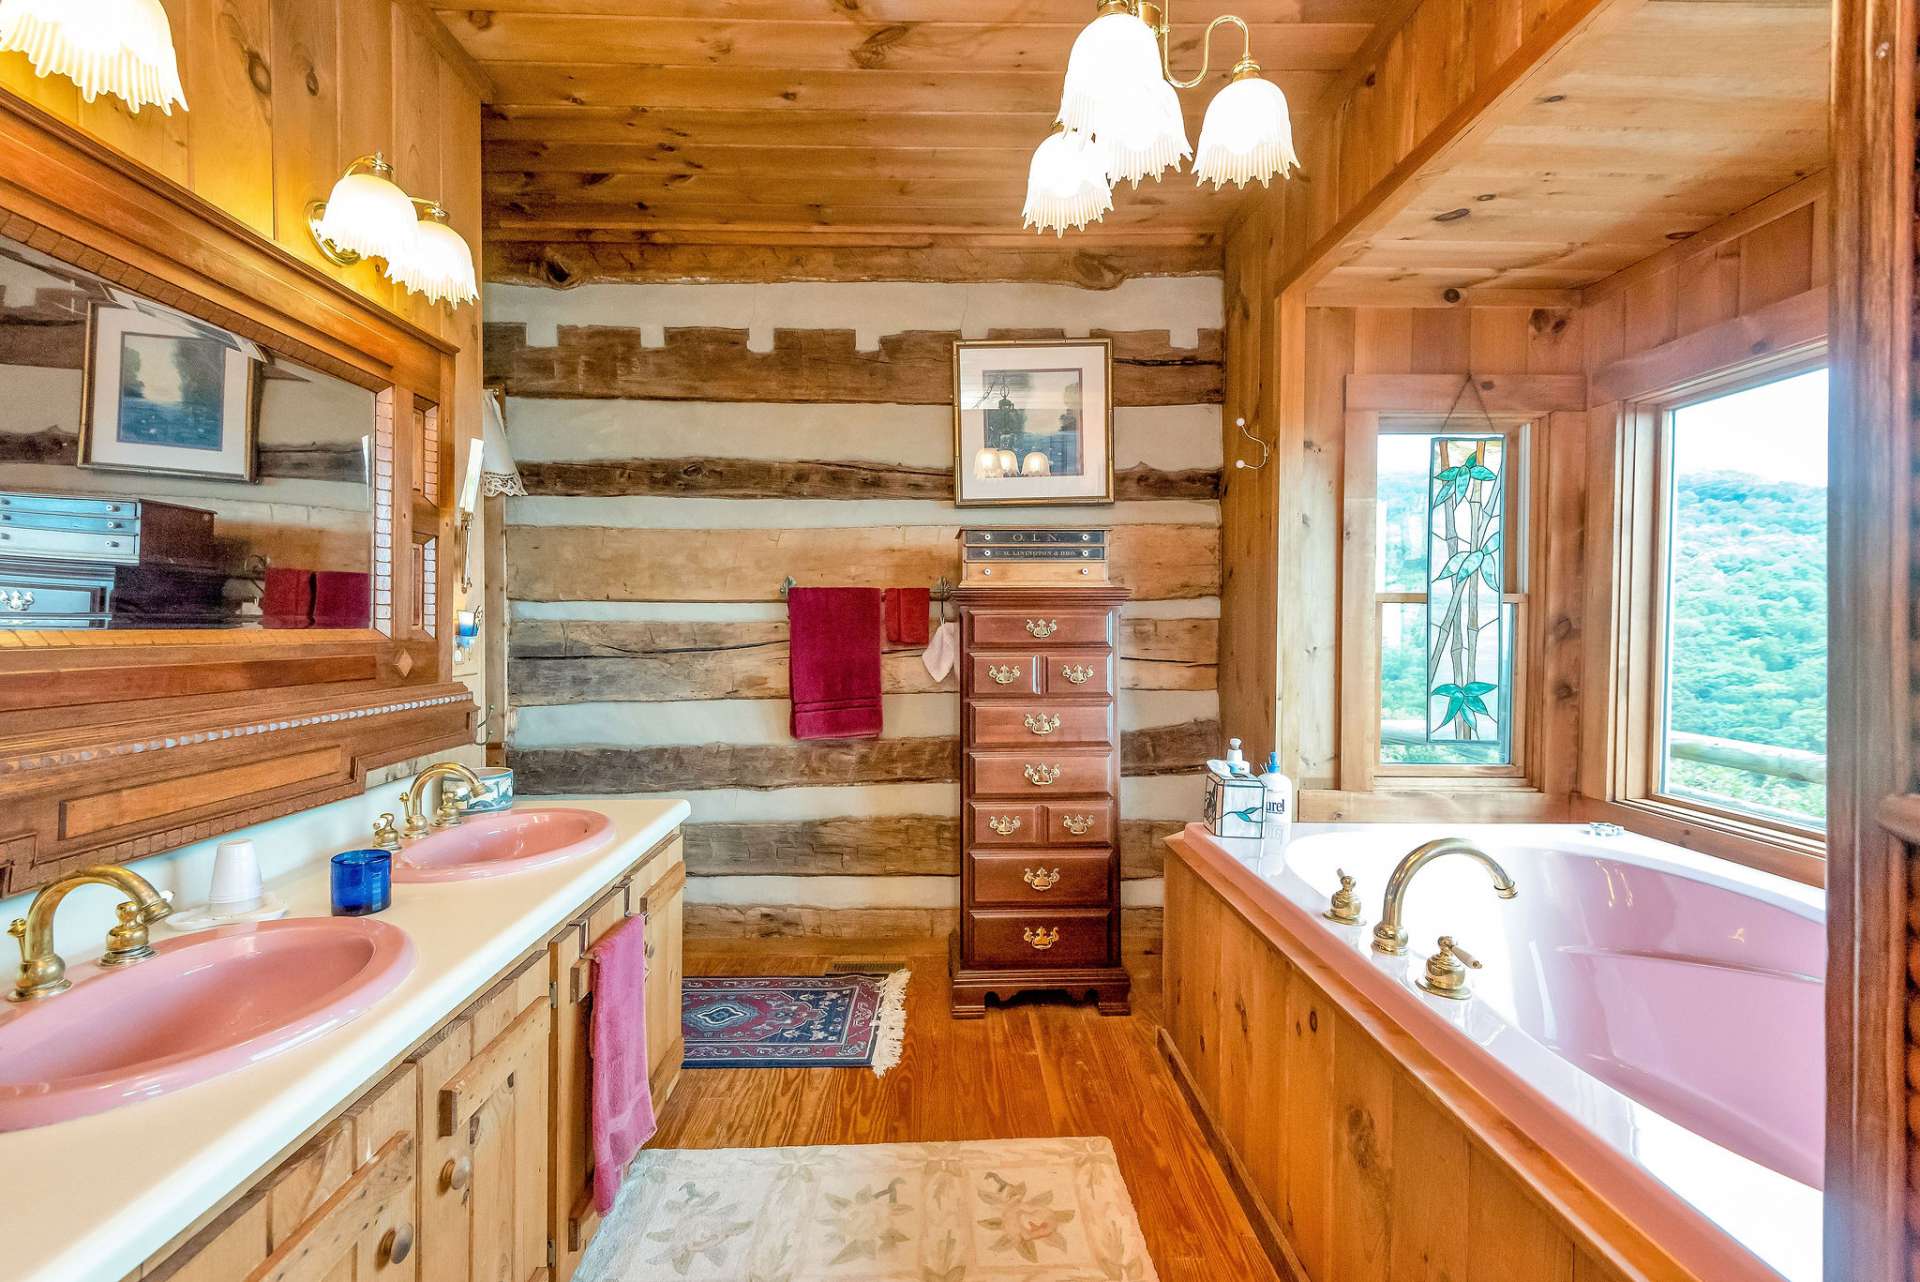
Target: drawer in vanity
[
  {"x": 1009, "y": 724},
  {"x": 1041, "y": 937},
  {"x": 1044, "y": 878},
  {"x": 1041, "y": 773},
  {"x": 1076, "y": 673},
  {"x": 1051, "y": 627}
]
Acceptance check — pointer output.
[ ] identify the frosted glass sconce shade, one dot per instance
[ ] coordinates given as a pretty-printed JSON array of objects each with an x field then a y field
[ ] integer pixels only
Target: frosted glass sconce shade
[
  {"x": 440, "y": 264},
  {"x": 1066, "y": 183},
  {"x": 986, "y": 463},
  {"x": 366, "y": 216},
  {"x": 1036, "y": 464},
  {"x": 121, "y": 47},
  {"x": 1114, "y": 59}
]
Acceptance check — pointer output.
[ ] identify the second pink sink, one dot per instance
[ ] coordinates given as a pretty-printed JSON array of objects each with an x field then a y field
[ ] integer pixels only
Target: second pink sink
[{"x": 491, "y": 845}]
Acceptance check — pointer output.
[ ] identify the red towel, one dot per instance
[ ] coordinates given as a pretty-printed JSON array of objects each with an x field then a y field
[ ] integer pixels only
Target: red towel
[
  {"x": 342, "y": 599},
  {"x": 906, "y": 610},
  {"x": 622, "y": 1097},
  {"x": 834, "y": 662},
  {"x": 286, "y": 600}
]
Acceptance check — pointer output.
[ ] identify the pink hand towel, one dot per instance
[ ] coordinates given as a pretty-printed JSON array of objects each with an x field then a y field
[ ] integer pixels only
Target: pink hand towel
[
  {"x": 834, "y": 662},
  {"x": 906, "y": 610},
  {"x": 622, "y": 1097}
]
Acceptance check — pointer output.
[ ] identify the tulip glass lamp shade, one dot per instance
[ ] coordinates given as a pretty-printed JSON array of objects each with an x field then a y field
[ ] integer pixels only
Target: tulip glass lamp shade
[
  {"x": 1066, "y": 183},
  {"x": 1247, "y": 133},
  {"x": 365, "y": 216},
  {"x": 986, "y": 463},
  {"x": 121, "y": 47},
  {"x": 440, "y": 265},
  {"x": 1114, "y": 59}
]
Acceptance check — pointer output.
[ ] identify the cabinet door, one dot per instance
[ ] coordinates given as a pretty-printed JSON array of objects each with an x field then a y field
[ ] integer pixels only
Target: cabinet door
[
  {"x": 666, "y": 1045},
  {"x": 342, "y": 1209},
  {"x": 483, "y": 1168},
  {"x": 574, "y": 1218}
]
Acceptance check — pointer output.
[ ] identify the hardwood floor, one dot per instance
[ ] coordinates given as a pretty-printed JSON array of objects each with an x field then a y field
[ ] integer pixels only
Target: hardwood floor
[{"x": 1035, "y": 1068}]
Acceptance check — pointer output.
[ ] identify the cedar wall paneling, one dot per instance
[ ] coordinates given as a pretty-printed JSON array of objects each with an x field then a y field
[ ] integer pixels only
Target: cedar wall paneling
[
  {"x": 686, "y": 447},
  {"x": 281, "y": 95}
]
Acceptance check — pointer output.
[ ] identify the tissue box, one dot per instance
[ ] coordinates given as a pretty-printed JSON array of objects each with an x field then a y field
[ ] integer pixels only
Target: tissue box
[{"x": 1234, "y": 806}]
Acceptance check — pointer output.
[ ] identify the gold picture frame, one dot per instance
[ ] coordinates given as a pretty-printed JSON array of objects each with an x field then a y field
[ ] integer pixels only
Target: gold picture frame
[{"x": 1033, "y": 422}]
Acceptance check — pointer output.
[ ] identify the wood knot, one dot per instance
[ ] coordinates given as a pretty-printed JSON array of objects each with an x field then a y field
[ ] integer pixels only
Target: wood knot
[
  {"x": 259, "y": 74},
  {"x": 871, "y": 54}
]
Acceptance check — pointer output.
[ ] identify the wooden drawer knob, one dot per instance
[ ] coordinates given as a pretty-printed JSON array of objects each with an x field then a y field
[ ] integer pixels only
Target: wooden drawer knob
[
  {"x": 397, "y": 1245},
  {"x": 457, "y": 1173}
]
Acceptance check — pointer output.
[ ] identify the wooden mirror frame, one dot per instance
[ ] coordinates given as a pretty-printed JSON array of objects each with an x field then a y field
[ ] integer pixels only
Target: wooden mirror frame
[{"x": 116, "y": 744}]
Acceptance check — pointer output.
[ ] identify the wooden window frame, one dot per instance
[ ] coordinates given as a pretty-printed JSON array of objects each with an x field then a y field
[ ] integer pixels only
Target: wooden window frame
[
  {"x": 1361, "y": 770},
  {"x": 1639, "y": 582}
]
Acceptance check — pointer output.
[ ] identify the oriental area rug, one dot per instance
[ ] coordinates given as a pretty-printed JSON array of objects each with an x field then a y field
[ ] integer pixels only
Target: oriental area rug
[
  {"x": 794, "y": 1021},
  {"x": 1049, "y": 1210}
]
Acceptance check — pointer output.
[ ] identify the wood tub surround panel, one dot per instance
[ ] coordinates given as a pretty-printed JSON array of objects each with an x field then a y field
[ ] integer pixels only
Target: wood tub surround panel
[
  {"x": 1042, "y": 775},
  {"x": 470, "y": 1162},
  {"x": 1357, "y": 1154}
]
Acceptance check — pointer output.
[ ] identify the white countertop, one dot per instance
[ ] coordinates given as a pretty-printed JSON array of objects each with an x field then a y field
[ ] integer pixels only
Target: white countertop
[{"x": 91, "y": 1199}]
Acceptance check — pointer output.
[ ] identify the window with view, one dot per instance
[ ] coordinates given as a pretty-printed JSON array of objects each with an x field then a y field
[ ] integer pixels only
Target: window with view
[
  {"x": 1448, "y": 609},
  {"x": 1743, "y": 715}
]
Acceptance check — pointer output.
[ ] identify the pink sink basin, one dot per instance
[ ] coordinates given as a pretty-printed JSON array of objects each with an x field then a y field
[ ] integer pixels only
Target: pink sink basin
[
  {"x": 491, "y": 845},
  {"x": 206, "y": 1004}
]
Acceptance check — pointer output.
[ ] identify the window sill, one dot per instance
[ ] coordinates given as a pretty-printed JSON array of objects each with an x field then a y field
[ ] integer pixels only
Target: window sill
[
  {"x": 1797, "y": 858},
  {"x": 1427, "y": 799}
]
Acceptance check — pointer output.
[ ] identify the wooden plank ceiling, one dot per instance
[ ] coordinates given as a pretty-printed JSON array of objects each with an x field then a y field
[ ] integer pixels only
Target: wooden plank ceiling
[
  {"x": 828, "y": 122},
  {"x": 1659, "y": 121}
]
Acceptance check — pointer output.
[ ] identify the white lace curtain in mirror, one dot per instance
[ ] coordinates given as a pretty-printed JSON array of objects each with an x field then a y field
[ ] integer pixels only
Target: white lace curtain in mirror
[{"x": 157, "y": 471}]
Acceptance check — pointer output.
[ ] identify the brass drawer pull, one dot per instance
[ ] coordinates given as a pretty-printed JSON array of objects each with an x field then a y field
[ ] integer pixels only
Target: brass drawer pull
[
  {"x": 1078, "y": 825},
  {"x": 1041, "y": 879},
  {"x": 1043, "y": 628},
  {"x": 1078, "y": 673},
  {"x": 1004, "y": 676},
  {"x": 1041, "y": 939},
  {"x": 1041, "y": 776},
  {"x": 17, "y": 601},
  {"x": 1043, "y": 724},
  {"x": 1005, "y": 825}
]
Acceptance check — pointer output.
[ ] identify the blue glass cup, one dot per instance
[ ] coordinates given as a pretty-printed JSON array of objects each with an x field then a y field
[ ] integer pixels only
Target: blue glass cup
[{"x": 362, "y": 882}]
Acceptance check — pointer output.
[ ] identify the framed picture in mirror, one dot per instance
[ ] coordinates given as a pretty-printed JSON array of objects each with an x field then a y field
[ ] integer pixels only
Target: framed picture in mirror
[
  {"x": 166, "y": 394},
  {"x": 1033, "y": 422}
]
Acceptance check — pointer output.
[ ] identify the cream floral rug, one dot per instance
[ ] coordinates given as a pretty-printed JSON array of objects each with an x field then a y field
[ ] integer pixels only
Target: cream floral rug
[{"x": 1053, "y": 1210}]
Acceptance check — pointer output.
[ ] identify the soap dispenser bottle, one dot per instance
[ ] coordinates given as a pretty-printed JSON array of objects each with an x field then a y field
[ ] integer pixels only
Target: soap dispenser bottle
[{"x": 1276, "y": 816}]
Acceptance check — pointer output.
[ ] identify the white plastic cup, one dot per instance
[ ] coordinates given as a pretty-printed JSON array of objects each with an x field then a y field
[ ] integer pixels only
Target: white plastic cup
[{"x": 236, "y": 879}]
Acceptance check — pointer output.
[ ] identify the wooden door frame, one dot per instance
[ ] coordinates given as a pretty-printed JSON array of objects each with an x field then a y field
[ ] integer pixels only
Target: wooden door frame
[{"x": 1871, "y": 641}]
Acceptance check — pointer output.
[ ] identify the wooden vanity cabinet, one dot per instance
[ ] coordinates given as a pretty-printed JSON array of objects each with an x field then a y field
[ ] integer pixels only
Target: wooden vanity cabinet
[
  {"x": 472, "y": 1161},
  {"x": 341, "y": 1209},
  {"x": 574, "y": 1219},
  {"x": 484, "y": 1101}
]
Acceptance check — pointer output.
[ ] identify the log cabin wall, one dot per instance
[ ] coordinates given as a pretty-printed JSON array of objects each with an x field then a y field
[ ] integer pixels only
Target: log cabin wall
[
  {"x": 282, "y": 95},
  {"x": 686, "y": 447}
]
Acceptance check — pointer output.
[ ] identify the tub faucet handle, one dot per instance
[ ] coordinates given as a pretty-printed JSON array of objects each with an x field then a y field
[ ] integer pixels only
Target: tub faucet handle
[
  {"x": 1447, "y": 971},
  {"x": 1345, "y": 907}
]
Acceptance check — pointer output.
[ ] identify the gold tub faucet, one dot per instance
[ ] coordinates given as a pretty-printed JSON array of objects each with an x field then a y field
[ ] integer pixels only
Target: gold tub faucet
[
  {"x": 1389, "y": 936},
  {"x": 448, "y": 813},
  {"x": 42, "y": 972}
]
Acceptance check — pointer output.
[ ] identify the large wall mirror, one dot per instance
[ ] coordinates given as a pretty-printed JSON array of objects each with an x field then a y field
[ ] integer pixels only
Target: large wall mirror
[
  {"x": 158, "y": 471},
  {"x": 225, "y": 509}
]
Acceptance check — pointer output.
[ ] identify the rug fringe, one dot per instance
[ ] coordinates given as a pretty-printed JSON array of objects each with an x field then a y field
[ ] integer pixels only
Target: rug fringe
[{"x": 891, "y": 1034}]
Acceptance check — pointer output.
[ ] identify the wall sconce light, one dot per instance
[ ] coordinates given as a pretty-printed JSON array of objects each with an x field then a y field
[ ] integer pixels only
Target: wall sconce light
[
  {"x": 368, "y": 216},
  {"x": 121, "y": 47}
]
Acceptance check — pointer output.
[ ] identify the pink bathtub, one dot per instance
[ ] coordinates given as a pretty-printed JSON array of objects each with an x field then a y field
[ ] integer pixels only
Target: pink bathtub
[{"x": 1653, "y": 1015}]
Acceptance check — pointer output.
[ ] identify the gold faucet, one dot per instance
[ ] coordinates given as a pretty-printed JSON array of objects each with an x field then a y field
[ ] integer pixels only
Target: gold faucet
[
  {"x": 448, "y": 813},
  {"x": 1389, "y": 936},
  {"x": 42, "y": 972}
]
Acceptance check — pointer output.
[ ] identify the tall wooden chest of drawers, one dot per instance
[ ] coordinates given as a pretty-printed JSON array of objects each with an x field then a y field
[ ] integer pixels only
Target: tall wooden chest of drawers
[{"x": 1039, "y": 796}]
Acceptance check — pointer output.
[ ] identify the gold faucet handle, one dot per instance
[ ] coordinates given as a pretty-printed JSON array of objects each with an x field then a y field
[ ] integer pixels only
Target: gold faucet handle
[
  {"x": 385, "y": 835},
  {"x": 1447, "y": 971},
  {"x": 127, "y": 942},
  {"x": 19, "y": 932},
  {"x": 1450, "y": 949},
  {"x": 1345, "y": 907},
  {"x": 452, "y": 806}
]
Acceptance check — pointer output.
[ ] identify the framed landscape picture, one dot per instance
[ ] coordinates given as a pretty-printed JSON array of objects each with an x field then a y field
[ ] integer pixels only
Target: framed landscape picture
[
  {"x": 165, "y": 394},
  {"x": 1033, "y": 422}
]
